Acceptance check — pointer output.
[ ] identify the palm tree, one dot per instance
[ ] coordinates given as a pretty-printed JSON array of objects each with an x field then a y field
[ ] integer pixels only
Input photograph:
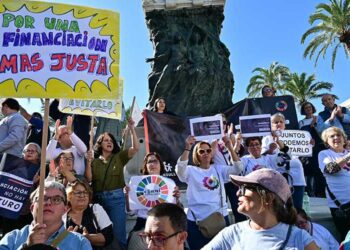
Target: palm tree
[
  {"x": 305, "y": 88},
  {"x": 333, "y": 29},
  {"x": 275, "y": 76}
]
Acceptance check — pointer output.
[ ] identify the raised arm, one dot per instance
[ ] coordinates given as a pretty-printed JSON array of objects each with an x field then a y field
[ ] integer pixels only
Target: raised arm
[{"x": 135, "y": 145}]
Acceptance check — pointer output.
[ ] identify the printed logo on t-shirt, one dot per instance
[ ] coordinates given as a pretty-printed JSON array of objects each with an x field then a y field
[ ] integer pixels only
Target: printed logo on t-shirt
[
  {"x": 211, "y": 182},
  {"x": 257, "y": 166}
]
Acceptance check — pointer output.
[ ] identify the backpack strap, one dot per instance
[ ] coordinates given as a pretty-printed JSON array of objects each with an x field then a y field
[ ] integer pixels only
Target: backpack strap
[
  {"x": 59, "y": 238},
  {"x": 287, "y": 237}
]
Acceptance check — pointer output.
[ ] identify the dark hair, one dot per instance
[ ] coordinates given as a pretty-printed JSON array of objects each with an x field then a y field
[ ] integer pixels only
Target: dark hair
[
  {"x": 268, "y": 86},
  {"x": 71, "y": 187},
  {"x": 303, "y": 214},
  {"x": 255, "y": 138},
  {"x": 37, "y": 115},
  {"x": 161, "y": 163},
  {"x": 176, "y": 214},
  {"x": 98, "y": 144},
  {"x": 58, "y": 158},
  {"x": 156, "y": 102},
  {"x": 11, "y": 103},
  {"x": 302, "y": 111},
  {"x": 285, "y": 213}
]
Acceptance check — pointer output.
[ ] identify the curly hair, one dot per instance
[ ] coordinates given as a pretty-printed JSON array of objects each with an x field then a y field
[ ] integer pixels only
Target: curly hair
[{"x": 98, "y": 144}]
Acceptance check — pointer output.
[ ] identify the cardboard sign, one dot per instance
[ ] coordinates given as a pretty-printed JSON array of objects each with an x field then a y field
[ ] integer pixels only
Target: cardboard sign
[
  {"x": 51, "y": 50},
  {"x": 207, "y": 128},
  {"x": 146, "y": 191},
  {"x": 255, "y": 125},
  {"x": 298, "y": 142},
  {"x": 101, "y": 108}
]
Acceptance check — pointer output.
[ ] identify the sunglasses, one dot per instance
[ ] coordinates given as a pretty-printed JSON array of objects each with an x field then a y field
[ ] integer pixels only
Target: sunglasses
[
  {"x": 203, "y": 151},
  {"x": 245, "y": 187},
  {"x": 268, "y": 90}
]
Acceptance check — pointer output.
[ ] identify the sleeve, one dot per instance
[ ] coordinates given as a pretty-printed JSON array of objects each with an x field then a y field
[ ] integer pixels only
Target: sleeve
[
  {"x": 181, "y": 170},
  {"x": 346, "y": 117},
  {"x": 306, "y": 238},
  {"x": 8, "y": 241},
  {"x": 265, "y": 143},
  {"x": 223, "y": 240},
  {"x": 333, "y": 243},
  {"x": 124, "y": 156},
  {"x": 79, "y": 144},
  {"x": 323, "y": 159},
  {"x": 51, "y": 151},
  {"x": 301, "y": 124},
  {"x": 227, "y": 170},
  {"x": 16, "y": 130},
  {"x": 104, "y": 223},
  {"x": 322, "y": 125},
  {"x": 85, "y": 244}
]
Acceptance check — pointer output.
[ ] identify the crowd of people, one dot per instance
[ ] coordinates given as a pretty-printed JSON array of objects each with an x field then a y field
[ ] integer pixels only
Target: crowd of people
[{"x": 86, "y": 199}]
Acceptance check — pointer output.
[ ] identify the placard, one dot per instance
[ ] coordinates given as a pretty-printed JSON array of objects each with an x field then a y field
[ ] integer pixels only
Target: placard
[
  {"x": 298, "y": 142},
  {"x": 207, "y": 128},
  {"x": 146, "y": 191},
  {"x": 51, "y": 50},
  {"x": 255, "y": 125}
]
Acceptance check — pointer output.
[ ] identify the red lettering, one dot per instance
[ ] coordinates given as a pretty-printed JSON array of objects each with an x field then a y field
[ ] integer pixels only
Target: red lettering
[
  {"x": 59, "y": 57},
  {"x": 93, "y": 59},
  {"x": 83, "y": 65},
  {"x": 8, "y": 64},
  {"x": 102, "y": 67},
  {"x": 71, "y": 61},
  {"x": 38, "y": 64},
  {"x": 25, "y": 63}
]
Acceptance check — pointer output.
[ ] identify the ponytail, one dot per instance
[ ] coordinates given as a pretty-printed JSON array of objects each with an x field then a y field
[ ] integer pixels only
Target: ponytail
[{"x": 285, "y": 213}]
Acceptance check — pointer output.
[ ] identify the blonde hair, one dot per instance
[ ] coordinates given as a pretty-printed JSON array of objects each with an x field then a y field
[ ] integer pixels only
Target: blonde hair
[
  {"x": 195, "y": 156},
  {"x": 278, "y": 115},
  {"x": 326, "y": 132}
]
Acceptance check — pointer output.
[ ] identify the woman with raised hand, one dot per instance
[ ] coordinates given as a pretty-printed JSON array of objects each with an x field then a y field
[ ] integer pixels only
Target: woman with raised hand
[
  {"x": 334, "y": 163},
  {"x": 205, "y": 181},
  {"x": 265, "y": 197},
  {"x": 107, "y": 177}
]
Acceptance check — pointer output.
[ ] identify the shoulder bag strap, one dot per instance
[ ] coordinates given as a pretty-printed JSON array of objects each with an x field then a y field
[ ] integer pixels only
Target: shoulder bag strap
[
  {"x": 333, "y": 196},
  {"x": 221, "y": 202},
  {"x": 287, "y": 237},
  {"x": 95, "y": 219},
  {"x": 109, "y": 164},
  {"x": 59, "y": 238}
]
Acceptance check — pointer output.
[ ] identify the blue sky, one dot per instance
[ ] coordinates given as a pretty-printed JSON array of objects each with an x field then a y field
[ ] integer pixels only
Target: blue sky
[{"x": 255, "y": 32}]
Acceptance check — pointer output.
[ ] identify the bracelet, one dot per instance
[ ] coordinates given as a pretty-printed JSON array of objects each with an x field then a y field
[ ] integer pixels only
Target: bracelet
[{"x": 189, "y": 150}]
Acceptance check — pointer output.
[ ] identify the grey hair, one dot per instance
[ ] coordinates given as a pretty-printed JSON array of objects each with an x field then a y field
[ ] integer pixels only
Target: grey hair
[
  {"x": 276, "y": 115},
  {"x": 50, "y": 185},
  {"x": 38, "y": 148}
]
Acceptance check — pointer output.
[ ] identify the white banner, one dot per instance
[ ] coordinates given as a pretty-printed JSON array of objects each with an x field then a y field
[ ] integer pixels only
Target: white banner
[
  {"x": 298, "y": 142},
  {"x": 207, "y": 128},
  {"x": 146, "y": 191}
]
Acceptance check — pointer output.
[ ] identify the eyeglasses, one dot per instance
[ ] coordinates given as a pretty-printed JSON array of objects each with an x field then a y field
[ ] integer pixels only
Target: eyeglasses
[
  {"x": 29, "y": 151},
  {"x": 203, "y": 151},
  {"x": 268, "y": 90},
  {"x": 152, "y": 161},
  {"x": 67, "y": 158},
  {"x": 244, "y": 187},
  {"x": 158, "y": 240},
  {"x": 81, "y": 193},
  {"x": 55, "y": 200}
]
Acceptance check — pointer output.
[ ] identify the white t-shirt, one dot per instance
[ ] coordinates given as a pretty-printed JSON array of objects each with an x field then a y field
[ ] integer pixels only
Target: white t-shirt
[
  {"x": 251, "y": 164},
  {"x": 338, "y": 183},
  {"x": 305, "y": 122},
  {"x": 241, "y": 236},
  {"x": 296, "y": 168},
  {"x": 203, "y": 187},
  {"x": 323, "y": 238}
]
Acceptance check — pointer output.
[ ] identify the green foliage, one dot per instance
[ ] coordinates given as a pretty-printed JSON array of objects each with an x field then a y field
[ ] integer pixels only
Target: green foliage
[
  {"x": 275, "y": 76},
  {"x": 304, "y": 88},
  {"x": 332, "y": 30}
]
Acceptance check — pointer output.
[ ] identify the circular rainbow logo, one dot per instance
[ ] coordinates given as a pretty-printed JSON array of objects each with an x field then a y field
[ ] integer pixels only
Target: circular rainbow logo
[
  {"x": 281, "y": 105},
  {"x": 152, "y": 190}
]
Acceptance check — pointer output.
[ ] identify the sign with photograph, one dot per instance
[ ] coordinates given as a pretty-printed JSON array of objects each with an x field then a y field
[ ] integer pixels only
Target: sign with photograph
[
  {"x": 51, "y": 50},
  {"x": 298, "y": 142},
  {"x": 146, "y": 191},
  {"x": 255, "y": 125},
  {"x": 207, "y": 128}
]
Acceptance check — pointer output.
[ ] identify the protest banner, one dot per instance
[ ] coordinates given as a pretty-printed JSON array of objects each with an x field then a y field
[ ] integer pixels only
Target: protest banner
[
  {"x": 16, "y": 177},
  {"x": 166, "y": 135},
  {"x": 146, "y": 191},
  {"x": 298, "y": 142},
  {"x": 51, "y": 50},
  {"x": 267, "y": 105},
  {"x": 255, "y": 125},
  {"x": 101, "y": 108},
  {"x": 207, "y": 128}
]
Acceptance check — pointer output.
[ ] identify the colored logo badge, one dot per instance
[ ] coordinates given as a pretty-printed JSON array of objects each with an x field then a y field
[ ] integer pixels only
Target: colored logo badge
[
  {"x": 151, "y": 191},
  {"x": 281, "y": 105},
  {"x": 211, "y": 182}
]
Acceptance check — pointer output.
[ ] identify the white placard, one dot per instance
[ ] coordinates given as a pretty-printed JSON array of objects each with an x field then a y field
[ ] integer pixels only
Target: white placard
[
  {"x": 255, "y": 125},
  {"x": 207, "y": 128},
  {"x": 146, "y": 191},
  {"x": 298, "y": 142}
]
